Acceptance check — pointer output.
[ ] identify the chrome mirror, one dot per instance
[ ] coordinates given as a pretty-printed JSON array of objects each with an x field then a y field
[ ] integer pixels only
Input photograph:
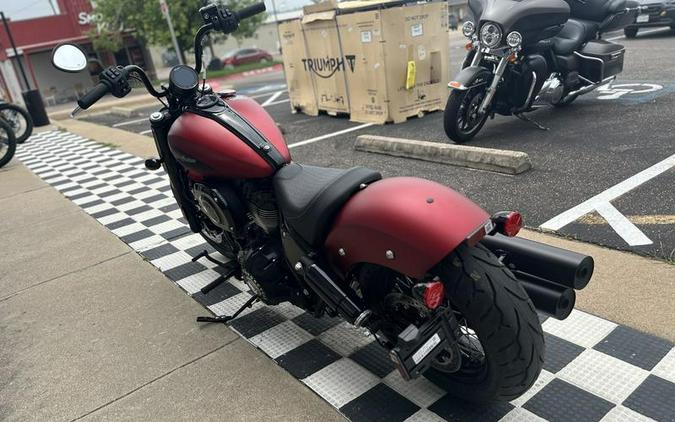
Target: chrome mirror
[{"x": 69, "y": 58}]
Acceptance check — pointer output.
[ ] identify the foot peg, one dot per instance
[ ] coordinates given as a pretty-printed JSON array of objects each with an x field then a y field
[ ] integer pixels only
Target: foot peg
[
  {"x": 205, "y": 254},
  {"x": 226, "y": 318},
  {"x": 231, "y": 268},
  {"x": 535, "y": 123}
]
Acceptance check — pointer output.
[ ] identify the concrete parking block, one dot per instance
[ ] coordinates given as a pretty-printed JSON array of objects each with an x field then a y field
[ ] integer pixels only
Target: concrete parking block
[
  {"x": 223, "y": 386},
  {"x": 88, "y": 338},
  {"x": 502, "y": 161}
]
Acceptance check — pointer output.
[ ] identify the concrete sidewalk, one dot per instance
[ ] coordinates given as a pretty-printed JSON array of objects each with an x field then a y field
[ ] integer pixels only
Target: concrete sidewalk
[{"x": 88, "y": 330}]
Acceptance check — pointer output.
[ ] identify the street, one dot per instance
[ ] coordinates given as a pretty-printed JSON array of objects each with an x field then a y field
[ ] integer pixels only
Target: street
[{"x": 600, "y": 141}]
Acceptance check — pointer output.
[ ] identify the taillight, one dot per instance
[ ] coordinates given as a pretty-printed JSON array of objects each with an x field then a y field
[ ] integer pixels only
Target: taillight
[
  {"x": 508, "y": 223},
  {"x": 434, "y": 294}
]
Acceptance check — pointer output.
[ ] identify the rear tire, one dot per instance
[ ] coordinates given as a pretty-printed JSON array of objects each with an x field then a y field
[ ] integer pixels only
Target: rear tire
[
  {"x": 18, "y": 119},
  {"x": 495, "y": 306},
  {"x": 460, "y": 119},
  {"x": 630, "y": 32},
  {"x": 7, "y": 143}
]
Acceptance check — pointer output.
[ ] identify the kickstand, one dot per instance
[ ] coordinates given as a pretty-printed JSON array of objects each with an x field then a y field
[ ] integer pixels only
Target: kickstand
[
  {"x": 538, "y": 125},
  {"x": 226, "y": 318}
]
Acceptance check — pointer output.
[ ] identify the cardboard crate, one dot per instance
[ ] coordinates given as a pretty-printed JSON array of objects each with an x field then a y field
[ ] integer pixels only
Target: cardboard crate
[{"x": 357, "y": 59}]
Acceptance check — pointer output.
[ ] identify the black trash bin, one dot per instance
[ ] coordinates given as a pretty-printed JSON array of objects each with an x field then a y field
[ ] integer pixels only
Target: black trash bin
[{"x": 35, "y": 107}]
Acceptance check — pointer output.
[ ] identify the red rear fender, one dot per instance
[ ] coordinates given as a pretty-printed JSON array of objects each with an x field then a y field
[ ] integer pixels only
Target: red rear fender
[{"x": 419, "y": 221}]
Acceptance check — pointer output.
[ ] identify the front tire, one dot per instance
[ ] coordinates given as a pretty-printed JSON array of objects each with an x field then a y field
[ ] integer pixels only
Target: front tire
[
  {"x": 461, "y": 119},
  {"x": 630, "y": 32},
  {"x": 495, "y": 307},
  {"x": 7, "y": 143},
  {"x": 19, "y": 120}
]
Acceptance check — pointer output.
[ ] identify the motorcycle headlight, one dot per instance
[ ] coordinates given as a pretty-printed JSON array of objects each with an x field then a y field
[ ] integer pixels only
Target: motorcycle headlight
[
  {"x": 491, "y": 35},
  {"x": 468, "y": 29},
  {"x": 514, "y": 39}
]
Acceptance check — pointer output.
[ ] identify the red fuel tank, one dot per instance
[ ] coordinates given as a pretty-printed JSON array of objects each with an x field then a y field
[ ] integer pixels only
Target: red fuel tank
[{"x": 208, "y": 149}]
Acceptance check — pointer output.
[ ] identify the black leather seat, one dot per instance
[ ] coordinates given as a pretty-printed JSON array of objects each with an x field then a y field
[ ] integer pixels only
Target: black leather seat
[
  {"x": 310, "y": 197},
  {"x": 573, "y": 35}
]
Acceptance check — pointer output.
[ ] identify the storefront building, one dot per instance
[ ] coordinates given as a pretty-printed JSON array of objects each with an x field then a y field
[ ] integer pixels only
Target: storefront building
[{"x": 35, "y": 38}]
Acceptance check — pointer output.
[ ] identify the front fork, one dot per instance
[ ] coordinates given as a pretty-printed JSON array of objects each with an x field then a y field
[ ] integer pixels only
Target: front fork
[{"x": 492, "y": 89}]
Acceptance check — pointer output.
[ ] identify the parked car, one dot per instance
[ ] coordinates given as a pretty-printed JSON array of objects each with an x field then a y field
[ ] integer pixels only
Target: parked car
[
  {"x": 653, "y": 14},
  {"x": 245, "y": 56}
]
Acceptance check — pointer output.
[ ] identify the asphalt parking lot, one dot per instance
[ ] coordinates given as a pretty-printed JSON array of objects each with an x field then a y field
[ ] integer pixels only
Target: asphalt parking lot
[{"x": 607, "y": 157}]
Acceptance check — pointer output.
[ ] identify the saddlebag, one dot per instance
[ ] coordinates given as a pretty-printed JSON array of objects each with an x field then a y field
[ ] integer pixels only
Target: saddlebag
[{"x": 600, "y": 59}]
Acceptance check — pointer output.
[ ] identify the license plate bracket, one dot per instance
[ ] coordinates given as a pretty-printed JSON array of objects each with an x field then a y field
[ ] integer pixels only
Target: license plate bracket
[{"x": 418, "y": 347}]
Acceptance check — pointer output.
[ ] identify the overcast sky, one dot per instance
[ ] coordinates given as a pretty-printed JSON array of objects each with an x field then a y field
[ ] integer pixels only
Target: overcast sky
[{"x": 26, "y": 9}]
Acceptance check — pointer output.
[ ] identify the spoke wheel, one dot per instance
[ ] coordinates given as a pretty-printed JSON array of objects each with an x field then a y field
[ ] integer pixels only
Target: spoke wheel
[{"x": 18, "y": 119}]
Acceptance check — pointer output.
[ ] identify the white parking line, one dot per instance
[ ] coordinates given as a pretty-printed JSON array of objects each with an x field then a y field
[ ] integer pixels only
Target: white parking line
[
  {"x": 330, "y": 135},
  {"x": 145, "y": 132},
  {"x": 601, "y": 204},
  {"x": 130, "y": 122},
  {"x": 641, "y": 33},
  {"x": 272, "y": 98},
  {"x": 622, "y": 226},
  {"x": 277, "y": 102}
]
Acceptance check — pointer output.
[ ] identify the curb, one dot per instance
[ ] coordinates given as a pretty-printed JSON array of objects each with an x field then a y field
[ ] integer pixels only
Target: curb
[
  {"x": 132, "y": 143},
  {"x": 137, "y": 101},
  {"x": 123, "y": 111},
  {"x": 498, "y": 160}
]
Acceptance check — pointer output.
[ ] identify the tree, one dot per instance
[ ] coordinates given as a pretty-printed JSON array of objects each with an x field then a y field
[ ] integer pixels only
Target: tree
[{"x": 113, "y": 16}]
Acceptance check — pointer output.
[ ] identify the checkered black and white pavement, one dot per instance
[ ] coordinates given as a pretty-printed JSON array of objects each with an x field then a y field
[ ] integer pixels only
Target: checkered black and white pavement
[{"x": 595, "y": 370}]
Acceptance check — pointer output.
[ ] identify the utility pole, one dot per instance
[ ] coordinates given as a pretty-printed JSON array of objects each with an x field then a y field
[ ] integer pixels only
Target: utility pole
[
  {"x": 165, "y": 11},
  {"x": 16, "y": 53}
]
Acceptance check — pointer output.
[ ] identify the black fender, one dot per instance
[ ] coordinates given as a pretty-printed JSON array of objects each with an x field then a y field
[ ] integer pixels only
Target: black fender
[{"x": 466, "y": 77}]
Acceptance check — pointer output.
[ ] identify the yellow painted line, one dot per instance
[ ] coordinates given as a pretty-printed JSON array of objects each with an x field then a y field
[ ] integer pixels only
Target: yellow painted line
[{"x": 594, "y": 218}]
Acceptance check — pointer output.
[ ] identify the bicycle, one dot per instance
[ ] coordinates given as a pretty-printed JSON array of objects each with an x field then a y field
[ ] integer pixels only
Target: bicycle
[
  {"x": 7, "y": 143},
  {"x": 18, "y": 119}
]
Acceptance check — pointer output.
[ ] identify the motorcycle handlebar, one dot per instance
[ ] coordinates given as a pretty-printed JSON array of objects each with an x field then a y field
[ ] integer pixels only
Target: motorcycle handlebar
[
  {"x": 249, "y": 11},
  {"x": 92, "y": 96}
]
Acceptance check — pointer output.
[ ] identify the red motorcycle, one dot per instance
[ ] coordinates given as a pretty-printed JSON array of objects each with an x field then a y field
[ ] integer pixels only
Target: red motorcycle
[{"x": 442, "y": 285}]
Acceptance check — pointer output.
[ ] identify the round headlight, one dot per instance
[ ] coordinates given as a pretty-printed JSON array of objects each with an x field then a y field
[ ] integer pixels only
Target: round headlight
[
  {"x": 514, "y": 39},
  {"x": 491, "y": 35},
  {"x": 468, "y": 29}
]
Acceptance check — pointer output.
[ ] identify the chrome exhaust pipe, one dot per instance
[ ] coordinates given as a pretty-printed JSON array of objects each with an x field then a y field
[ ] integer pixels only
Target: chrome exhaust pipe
[{"x": 588, "y": 88}]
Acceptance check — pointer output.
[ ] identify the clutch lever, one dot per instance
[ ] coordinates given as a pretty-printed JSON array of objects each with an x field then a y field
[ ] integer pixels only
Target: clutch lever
[{"x": 75, "y": 112}]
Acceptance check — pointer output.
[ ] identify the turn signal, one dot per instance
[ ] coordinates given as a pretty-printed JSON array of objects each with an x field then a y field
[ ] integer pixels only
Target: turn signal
[
  {"x": 469, "y": 46},
  {"x": 508, "y": 223},
  {"x": 434, "y": 294}
]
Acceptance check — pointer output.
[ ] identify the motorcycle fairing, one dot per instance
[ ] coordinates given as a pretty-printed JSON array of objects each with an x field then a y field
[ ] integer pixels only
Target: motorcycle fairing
[
  {"x": 464, "y": 79},
  {"x": 403, "y": 223}
]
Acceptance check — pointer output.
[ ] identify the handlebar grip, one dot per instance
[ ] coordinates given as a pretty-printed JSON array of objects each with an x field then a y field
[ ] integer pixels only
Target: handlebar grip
[
  {"x": 249, "y": 11},
  {"x": 92, "y": 96}
]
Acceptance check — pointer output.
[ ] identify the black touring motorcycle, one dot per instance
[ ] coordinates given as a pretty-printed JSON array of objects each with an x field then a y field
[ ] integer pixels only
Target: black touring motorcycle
[{"x": 527, "y": 53}]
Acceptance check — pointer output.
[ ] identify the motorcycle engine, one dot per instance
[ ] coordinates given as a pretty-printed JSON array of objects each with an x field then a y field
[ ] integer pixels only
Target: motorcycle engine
[
  {"x": 265, "y": 272},
  {"x": 262, "y": 205},
  {"x": 552, "y": 91},
  {"x": 220, "y": 204}
]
